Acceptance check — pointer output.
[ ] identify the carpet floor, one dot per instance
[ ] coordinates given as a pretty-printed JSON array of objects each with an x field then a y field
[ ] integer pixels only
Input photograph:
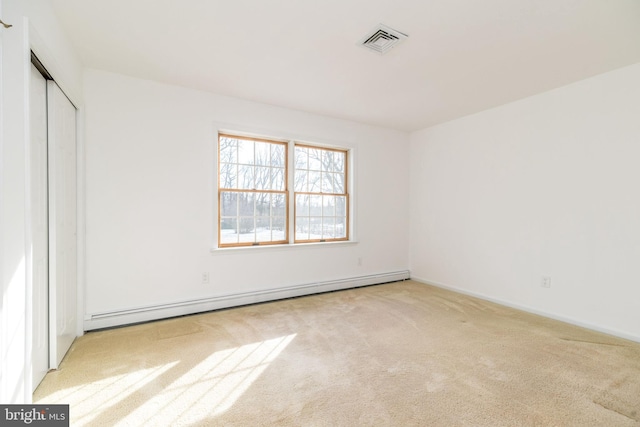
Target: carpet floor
[{"x": 398, "y": 354}]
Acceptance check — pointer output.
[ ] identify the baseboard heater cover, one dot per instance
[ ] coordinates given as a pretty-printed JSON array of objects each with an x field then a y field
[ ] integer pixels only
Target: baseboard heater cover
[{"x": 162, "y": 311}]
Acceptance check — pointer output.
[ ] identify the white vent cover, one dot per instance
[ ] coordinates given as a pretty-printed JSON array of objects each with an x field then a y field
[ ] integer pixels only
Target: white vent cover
[{"x": 382, "y": 39}]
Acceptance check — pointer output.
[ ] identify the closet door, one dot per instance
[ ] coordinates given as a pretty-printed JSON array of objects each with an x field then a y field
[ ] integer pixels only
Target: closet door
[
  {"x": 39, "y": 226},
  {"x": 62, "y": 223}
]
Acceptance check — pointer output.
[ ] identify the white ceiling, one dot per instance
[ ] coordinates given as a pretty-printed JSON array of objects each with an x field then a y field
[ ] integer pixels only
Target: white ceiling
[{"x": 461, "y": 57}]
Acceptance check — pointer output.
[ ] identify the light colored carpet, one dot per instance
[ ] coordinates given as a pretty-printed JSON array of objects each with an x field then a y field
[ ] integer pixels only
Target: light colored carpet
[{"x": 398, "y": 354}]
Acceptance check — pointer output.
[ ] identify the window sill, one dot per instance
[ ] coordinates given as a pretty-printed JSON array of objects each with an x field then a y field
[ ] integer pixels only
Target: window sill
[{"x": 288, "y": 246}]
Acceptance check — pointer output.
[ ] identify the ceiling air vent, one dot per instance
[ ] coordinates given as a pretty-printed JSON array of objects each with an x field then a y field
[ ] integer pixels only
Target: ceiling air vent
[{"x": 382, "y": 39}]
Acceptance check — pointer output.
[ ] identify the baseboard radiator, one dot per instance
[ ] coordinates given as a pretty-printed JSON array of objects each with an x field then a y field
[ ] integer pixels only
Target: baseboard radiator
[{"x": 162, "y": 311}]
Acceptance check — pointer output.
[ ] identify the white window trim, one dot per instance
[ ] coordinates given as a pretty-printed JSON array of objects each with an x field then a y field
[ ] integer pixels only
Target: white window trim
[{"x": 283, "y": 246}]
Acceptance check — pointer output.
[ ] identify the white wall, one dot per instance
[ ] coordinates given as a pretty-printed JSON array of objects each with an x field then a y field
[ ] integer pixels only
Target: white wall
[
  {"x": 150, "y": 161},
  {"x": 34, "y": 27},
  {"x": 544, "y": 186}
]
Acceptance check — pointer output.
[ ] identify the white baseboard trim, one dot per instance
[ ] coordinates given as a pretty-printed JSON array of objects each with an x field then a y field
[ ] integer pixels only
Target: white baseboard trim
[
  {"x": 532, "y": 310},
  {"x": 180, "y": 308}
]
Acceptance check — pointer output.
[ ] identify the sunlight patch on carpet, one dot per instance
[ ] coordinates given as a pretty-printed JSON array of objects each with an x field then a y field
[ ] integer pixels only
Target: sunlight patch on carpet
[
  {"x": 210, "y": 387},
  {"x": 89, "y": 400}
]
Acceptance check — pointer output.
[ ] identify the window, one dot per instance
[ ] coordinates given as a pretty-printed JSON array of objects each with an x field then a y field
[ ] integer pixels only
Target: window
[
  {"x": 253, "y": 192},
  {"x": 321, "y": 202}
]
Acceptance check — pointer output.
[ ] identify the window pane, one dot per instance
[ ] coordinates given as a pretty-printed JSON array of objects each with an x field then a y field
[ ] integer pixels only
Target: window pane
[
  {"x": 302, "y": 205},
  {"x": 315, "y": 205},
  {"x": 328, "y": 205},
  {"x": 277, "y": 179},
  {"x": 338, "y": 183},
  {"x": 339, "y": 161},
  {"x": 328, "y": 227},
  {"x": 341, "y": 228},
  {"x": 263, "y": 229},
  {"x": 228, "y": 150},
  {"x": 301, "y": 158},
  {"x": 246, "y": 225},
  {"x": 278, "y": 205},
  {"x": 300, "y": 181},
  {"x": 228, "y": 175},
  {"x": 315, "y": 227},
  {"x": 327, "y": 160},
  {"x": 263, "y": 153},
  {"x": 302, "y": 228},
  {"x": 341, "y": 206},
  {"x": 262, "y": 178},
  {"x": 277, "y": 155},
  {"x": 228, "y": 204},
  {"x": 246, "y": 202},
  {"x": 245, "y": 152},
  {"x": 315, "y": 159},
  {"x": 261, "y": 206},
  {"x": 327, "y": 183},
  {"x": 229, "y": 231},
  {"x": 315, "y": 183},
  {"x": 246, "y": 177},
  {"x": 263, "y": 223},
  {"x": 278, "y": 228},
  {"x": 247, "y": 229}
]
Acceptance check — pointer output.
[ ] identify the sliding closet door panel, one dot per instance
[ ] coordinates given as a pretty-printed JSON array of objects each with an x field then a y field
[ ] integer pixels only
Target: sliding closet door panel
[
  {"x": 62, "y": 223},
  {"x": 39, "y": 226}
]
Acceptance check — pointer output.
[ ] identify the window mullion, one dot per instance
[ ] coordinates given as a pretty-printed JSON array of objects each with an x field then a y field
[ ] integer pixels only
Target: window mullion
[{"x": 291, "y": 195}]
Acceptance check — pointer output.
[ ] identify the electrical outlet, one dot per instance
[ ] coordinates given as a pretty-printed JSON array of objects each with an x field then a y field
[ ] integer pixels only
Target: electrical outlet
[
  {"x": 546, "y": 282},
  {"x": 205, "y": 277},
  {"x": 359, "y": 262}
]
